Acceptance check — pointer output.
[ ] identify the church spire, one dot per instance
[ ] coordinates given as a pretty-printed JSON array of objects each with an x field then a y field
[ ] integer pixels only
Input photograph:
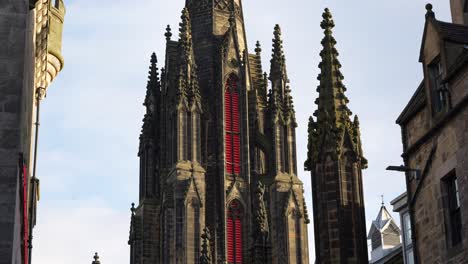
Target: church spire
[
  {"x": 333, "y": 116},
  {"x": 278, "y": 67},
  {"x": 278, "y": 75},
  {"x": 153, "y": 88},
  {"x": 185, "y": 59},
  {"x": 335, "y": 156},
  {"x": 332, "y": 102},
  {"x": 153, "y": 92},
  {"x": 185, "y": 35}
]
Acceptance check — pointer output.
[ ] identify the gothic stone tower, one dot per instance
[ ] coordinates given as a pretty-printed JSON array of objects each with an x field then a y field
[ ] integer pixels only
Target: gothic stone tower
[
  {"x": 218, "y": 176},
  {"x": 335, "y": 160}
]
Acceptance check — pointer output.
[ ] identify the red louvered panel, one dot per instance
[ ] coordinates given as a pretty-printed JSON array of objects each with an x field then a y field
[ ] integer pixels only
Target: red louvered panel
[
  {"x": 228, "y": 152},
  {"x": 238, "y": 229},
  {"x": 235, "y": 112},
  {"x": 230, "y": 240},
  {"x": 25, "y": 215},
  {"x": 227, "y": 110},
  {"x": 236, "y": 154}
]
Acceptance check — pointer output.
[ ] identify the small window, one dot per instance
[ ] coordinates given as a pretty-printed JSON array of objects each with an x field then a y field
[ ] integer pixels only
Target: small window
[
  {"x": 454, "y": 211},
  {"x": 438, "y": 91},
  {"x": 407, "y": 229},
  {"x": 410, "y": 256}
]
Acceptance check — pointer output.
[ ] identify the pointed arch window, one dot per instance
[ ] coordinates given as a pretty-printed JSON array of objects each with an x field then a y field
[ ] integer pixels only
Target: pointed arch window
[
  {"x": 234, "y": 235},
  {"x": 231, "y": 119}
]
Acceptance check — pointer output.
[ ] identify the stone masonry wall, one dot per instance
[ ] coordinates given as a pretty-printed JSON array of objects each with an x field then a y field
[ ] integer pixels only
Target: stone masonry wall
[
  {"x": 431, "y": 207},
  {"x": 13, "y": 27}
]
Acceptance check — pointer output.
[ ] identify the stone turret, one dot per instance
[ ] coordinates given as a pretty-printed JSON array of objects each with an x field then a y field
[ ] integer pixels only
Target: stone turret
[
  {"x": 49, "y": 28},
  {"x": 335, "y": 160}
]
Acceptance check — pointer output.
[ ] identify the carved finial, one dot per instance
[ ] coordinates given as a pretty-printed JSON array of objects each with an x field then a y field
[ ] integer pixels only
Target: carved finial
[
  {"x": 133, "y": 210},
  {"x": 429, "y": 12},
  {"x": 96, "y": 259},
  {"x": 356, "y": 121},
  {"x": 205, "y": 257},
  {"x": 153, "y": 86},
  {"x": 258, "y": 48},
  {"x": 168, "y": 33},
  {"x": 185, "y": 31},
  {"x": 327, "y": 22}
]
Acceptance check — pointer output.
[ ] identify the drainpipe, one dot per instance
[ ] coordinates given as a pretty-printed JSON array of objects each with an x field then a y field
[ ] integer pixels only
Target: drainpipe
[{"x": 40, "y": 92}]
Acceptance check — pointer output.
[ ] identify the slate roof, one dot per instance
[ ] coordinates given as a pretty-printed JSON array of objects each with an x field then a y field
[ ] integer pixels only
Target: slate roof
[
  {"x": 453, "y": 32},
  {"x": 417, "y": 101},
  {"x": 383, "y": 220}
]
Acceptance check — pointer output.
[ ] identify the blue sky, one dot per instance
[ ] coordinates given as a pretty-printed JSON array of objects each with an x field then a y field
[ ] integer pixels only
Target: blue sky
[{"x": 92, "y": 115}]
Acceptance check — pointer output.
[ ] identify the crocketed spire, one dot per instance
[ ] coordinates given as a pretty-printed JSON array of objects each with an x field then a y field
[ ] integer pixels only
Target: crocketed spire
[
  {"x": 277, "y": 60},
  {"x": 153, "y": 94},
  {"x": 278, "y": 76},
  {"x": 185, "y": 34},
  {"x": 153, "y": 88},
  {"x": 331, "y": 89},
  {"x": 185, "y": 59},
  {"x": 333, "y": 116}
]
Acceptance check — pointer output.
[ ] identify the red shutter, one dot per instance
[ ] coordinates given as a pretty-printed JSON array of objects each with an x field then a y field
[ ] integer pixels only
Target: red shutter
[
  {"x": 235, "y": 112},
  {"x": 230, "y": 239},
  {"x": 25, "y": 214},
  {"x": 227, "y": 110},
  {"x": 228, "y": 125},
  {"x": 238, "y": 228},
  {"x": 234, "y": 233},
  {"x": 232, "y": 125},
  {"x": 236, "y": 154}
]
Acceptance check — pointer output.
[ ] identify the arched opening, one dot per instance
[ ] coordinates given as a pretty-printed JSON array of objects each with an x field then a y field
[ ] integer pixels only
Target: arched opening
[
  {"x": 234, "y": 234},
  {"x": 232, "y": 125}
]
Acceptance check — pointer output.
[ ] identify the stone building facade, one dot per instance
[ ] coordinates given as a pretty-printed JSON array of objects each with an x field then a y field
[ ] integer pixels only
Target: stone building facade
[
  {"x": 30, "y": 58},
  {"x": 335, "y": 160},
  {"x": 218, "y": 174},
  {"x": 434, "y": 128}
]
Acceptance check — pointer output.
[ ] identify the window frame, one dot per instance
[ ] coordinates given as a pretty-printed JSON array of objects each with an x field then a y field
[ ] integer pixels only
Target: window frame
[
  {"x": 454, "y": 210},
  {"x": 232, "y": 121}
]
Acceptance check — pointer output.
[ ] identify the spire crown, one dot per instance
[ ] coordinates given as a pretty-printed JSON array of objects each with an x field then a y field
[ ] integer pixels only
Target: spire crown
[
  {"x": 133, "y": 209},
  {"x": 258, "y": 48},
  {"x": 327, "y": 22},
  {"x": 278, "y": 54},
  {"x": 168, "y": 33}
]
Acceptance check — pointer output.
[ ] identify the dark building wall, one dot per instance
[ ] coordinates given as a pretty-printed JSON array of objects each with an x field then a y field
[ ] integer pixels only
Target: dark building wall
[
  {"x": 13, "y": 27},
  {"x": 435, "y": 136}
]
